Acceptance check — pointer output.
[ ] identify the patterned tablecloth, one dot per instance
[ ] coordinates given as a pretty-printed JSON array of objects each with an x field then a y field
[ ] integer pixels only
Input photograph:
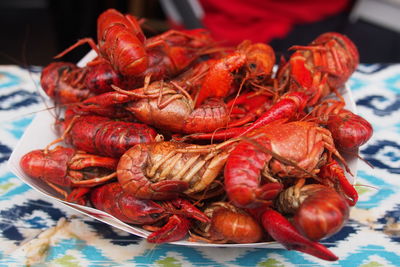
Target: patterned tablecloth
[{"x": 38, "y": 231}]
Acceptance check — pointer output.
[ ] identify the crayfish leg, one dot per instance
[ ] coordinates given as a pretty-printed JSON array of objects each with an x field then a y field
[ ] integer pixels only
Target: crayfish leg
[
  {"x": 287, "y": 107},
  {"x": 58, "y": 190},
  {"x": 334, "y": 173},
  {"x": 189, "y": 210}
]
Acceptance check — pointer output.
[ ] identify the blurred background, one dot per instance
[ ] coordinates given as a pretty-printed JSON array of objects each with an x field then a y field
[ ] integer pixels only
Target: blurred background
[{"x": 33, "y": 31}]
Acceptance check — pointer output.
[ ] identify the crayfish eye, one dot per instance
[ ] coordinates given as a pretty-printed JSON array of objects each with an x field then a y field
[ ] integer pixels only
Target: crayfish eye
[
  {"x": 154, "y": 215},
  {"x": 252, "y": 66}
]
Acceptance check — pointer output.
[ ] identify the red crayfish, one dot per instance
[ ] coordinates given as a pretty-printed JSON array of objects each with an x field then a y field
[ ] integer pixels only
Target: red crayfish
[
  {"x": 228, "y": 224},
  {"x": 65, "y": 83},
  {"x": 290, "y": 106},
  {"x": 166, "y": 170},
  {"x": 311, "y": 73},
  {"x": 284, "y": 142},
  {"x": 312, "y": 216},
  {"x": 249, "y": 63},
  {"x": 270, "y": 158},
  {"x": 122, "y": 43},
  {"x": 165, "y": 105},
  {"x": 174, "y": 214},
  {"x": 104, "y": 136},
  {"x": 349, "y": 130},
  {"x": 319, "y": 68},
  {"x": 275, "y": 173},
  {"x": 68, "y": 168},
  {"x": 124, "y": 59}
]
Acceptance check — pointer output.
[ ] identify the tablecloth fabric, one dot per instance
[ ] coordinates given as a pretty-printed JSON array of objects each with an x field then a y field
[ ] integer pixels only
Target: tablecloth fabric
[{"x": 38, "y": 231}]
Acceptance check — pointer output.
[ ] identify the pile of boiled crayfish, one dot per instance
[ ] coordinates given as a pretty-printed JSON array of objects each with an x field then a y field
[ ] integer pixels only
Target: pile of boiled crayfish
[{"x": 188, "y": 138}]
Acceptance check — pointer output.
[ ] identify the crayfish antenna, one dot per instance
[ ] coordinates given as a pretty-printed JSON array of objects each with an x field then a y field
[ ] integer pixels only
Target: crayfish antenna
[
  {"x": 80, "y": 42},
  {"x": 357, "y": 155}
]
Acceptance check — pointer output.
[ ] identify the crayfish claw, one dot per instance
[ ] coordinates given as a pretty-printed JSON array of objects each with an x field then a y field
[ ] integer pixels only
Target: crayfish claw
[
  {"x": 167, "y": 189},
  {"x": 280, "y": 229},
  {"x": 269, "y": 191},
  {"x": 190, "y": 210},
  {"x": 174, "y": 230}
]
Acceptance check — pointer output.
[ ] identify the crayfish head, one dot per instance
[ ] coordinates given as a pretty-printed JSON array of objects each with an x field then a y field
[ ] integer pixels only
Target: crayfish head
[
  {"x": 260, "y": 59},
  {"x": 48, "y": 165}
]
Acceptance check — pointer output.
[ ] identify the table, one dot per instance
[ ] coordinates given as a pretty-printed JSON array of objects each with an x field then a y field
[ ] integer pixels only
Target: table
[{"x": 39, "y": 231}]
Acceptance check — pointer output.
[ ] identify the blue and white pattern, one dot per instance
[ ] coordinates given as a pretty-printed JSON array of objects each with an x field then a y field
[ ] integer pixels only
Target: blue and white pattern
[{"x": 34, "y": 230}]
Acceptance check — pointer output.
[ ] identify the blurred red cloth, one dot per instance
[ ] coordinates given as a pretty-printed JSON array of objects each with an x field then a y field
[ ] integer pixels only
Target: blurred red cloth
[{"x": 263, "y": 20}]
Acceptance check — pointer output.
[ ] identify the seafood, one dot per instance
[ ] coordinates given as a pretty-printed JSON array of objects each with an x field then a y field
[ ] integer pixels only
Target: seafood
[
  {"x": 122, "y": 43},
  {"x": 318, "y": 211},
  {"x": 228, "y": 224},
  {"x": 281, "y": 230},
  {"x": 333, "y": 176},
  {"x": 166, "y": 170},
  {"x": 251, "y": 63},
  {"x": 219, "y": 78},
  {"x": 260, "y": 60},
  {"x": 104, "y": 136},
  {"x": 67, "y": 167},
  {"x": 164, "y": 105},
  {"x": 275, "y": 173},
  {"x": 100, "y": 76},
  {"x": 320, "y": 68},
  {"x": 277, "y": 151},
  {"x": 64, "y": 83},
  {"x": 172, "y": 52},
  {"x": 174, "y": 214},
  {"x": 349, "y": 130},
  {"x": 289, "y": 106},
  {"x": 247, "y": 107}
]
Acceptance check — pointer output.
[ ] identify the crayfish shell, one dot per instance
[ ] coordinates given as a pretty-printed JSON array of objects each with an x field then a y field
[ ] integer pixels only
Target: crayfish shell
[
  {"x": 230, "y": 224},
  {"x": 319, "y": 211}
]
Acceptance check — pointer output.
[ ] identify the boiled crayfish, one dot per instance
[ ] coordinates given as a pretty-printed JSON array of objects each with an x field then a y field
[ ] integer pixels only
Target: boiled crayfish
[
  {"x": 279, "y": 151},
  {"x": 174, "y": 214},
  {"x": 228, "y": 224},
  {"x": 320, "y": 68},
  {"x": 157, "y": 103},
  {"x": 104, "y": 136},
  {"x": 68, "y": 168},
  {"x": 276, "y": 171},
  {"x": 64, "y": 83},
  {"x": 166, "y": 170}
]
